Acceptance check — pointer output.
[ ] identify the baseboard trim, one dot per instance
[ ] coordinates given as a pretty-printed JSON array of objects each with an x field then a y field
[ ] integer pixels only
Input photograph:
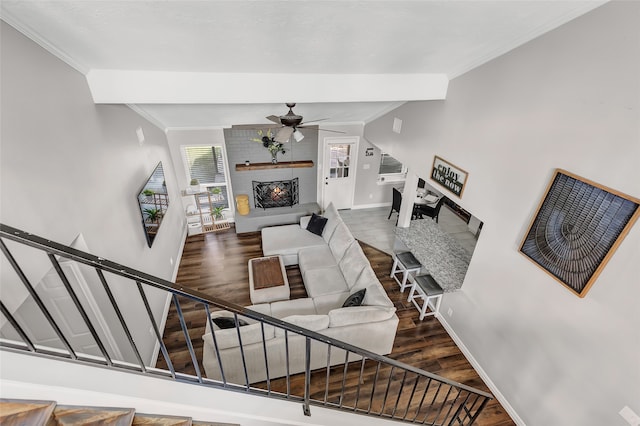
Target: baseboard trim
[
  {"x": 370, "y": 206},
  {"x": 483, "y": 374}
]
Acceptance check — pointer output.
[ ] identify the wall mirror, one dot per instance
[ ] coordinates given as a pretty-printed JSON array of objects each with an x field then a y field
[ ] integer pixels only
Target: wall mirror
[
  {"x": 444, "y": 246},
  {"x": 153, "y": 201}
]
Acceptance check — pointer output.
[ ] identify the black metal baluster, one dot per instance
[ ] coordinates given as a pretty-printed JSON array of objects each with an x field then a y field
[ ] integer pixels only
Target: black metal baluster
[
  {"x": 413, "y": 391},
  {"x": 444, "y": 402},
  {"x": 386, "y": 392},
  {"x": 112, "y": 299},
  {"x": 326, "y": 386},
  {"x": 426, "y": 389},
  {"x": 286, "y": 355},
  {"x": 81, "y": 310},
  {"x": 477, "y": 413},
  {"x": 266, "y": 360},
  {"x": 460, "y": 408},
  {"x": 183, "y": 325},
  {"x": 453, "y": 403},
  {"x": 373, "y": 388},
  {"x": 355, "y": 405},
  {"x": 432, "y": 401},
  {"x": 37, "y": 299},
  {"x": 307, "y": 377},
  {"x": 215, "y": 343},
  {"x": 395, "y": 407},
  {"x": 244, "y": 361},
  {"x": 156, "y": 330},
  {"x": 344, "y": 377},
  {"x": 17, "y": 327}
]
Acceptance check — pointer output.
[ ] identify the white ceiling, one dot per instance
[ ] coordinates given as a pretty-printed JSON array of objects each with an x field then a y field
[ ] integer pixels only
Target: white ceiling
[{"x": 263, "y": 38}]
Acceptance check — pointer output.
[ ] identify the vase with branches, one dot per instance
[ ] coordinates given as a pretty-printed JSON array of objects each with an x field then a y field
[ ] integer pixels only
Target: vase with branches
[{"x": 268, "y": 141}]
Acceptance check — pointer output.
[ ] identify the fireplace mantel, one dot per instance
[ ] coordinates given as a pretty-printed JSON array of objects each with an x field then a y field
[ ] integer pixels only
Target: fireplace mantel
[{"x": 279, "y": 165}]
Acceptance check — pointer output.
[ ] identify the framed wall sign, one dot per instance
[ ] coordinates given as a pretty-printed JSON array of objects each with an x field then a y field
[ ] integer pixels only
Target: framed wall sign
[
  {"x": 449, "y": 176},
  {"x": 577, "y": 228}
]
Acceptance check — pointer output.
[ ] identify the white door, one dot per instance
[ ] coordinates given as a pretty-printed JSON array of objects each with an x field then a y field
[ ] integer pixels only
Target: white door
[{"x": 339, "y": 171}]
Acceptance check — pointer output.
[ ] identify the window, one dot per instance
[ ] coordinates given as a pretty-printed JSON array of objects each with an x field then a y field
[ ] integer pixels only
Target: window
[
  {"x": 207, "y": 164},
  {"x": 390, "y": 170}
]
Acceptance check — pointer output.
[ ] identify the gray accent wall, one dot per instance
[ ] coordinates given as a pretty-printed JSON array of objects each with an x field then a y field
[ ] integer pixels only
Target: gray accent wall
[
  {"x": 569, "y": 99},
  {"x": 240, "y": 148},
  {"x": 71, "y": 167}
]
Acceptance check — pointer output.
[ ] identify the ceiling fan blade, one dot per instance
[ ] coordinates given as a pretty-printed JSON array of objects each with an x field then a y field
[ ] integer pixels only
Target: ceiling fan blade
[
  {"x": 314, "y": 121},
  {"x": 284, "y": 134},
  {"x": 274, "y": 118},
  {"x": 316, "y": 128},
  {"x": 256, "y": 126}
]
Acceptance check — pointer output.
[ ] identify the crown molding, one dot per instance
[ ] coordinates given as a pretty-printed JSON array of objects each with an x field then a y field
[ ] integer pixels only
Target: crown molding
[{"x": 33, "y": 35}]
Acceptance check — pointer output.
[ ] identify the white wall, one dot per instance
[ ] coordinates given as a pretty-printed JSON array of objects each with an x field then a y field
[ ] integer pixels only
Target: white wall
[
  {"x": 70, "y": 167},
  {"x": 569, "y": 99}
]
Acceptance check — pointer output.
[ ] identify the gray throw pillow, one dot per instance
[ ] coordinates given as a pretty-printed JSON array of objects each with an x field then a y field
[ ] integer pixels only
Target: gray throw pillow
[{"x": 355, "y": 299}]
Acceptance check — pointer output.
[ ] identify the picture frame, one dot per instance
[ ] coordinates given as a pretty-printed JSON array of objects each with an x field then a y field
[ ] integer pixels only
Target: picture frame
[
  {"x": 449, "y": 176},
  {"x": 577, "y": 227}
]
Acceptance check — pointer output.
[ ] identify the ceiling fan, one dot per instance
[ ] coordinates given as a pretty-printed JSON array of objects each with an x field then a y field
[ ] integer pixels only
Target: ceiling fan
[{"x": 288, "y": 125}]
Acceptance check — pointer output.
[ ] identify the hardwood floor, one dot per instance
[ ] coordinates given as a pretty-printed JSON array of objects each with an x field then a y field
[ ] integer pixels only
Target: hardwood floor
[{"x": 216, "y": 264}]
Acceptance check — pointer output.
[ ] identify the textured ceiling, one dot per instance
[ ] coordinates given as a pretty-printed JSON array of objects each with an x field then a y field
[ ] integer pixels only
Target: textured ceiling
[{"x": 284, "y": 37}]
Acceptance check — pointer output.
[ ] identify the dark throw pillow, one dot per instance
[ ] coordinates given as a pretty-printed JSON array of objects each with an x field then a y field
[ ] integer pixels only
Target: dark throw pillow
[
  {"x": 227, "y": 322},
  {"x": 355, "y": 299},
  {"x": 316, "y": 224}
]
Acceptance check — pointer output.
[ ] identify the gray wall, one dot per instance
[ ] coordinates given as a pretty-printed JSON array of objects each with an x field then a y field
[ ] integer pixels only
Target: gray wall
[
  {"x": 240, "y": 148},
  {"x": 69, "y": 166},
  {"x": 568, "y": 99}
]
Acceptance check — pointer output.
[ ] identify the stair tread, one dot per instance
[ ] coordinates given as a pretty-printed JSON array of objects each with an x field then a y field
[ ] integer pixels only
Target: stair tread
[
  {"x": 70, "y": 415},
  {"x": 160, "y": 420},
  {"x": 25, "y": 412}
]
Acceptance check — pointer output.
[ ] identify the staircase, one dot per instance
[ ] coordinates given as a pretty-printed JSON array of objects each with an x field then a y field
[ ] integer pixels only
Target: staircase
[
  {"x": 367, "y": 384},
  {"x": 17, "y": 412}
]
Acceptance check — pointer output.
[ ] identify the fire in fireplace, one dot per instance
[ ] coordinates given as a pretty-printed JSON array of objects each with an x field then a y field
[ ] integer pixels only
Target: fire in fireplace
[{"x": 279, "y": 193}]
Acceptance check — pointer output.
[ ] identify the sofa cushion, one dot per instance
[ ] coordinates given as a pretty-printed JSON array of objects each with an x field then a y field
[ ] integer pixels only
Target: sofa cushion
[
  {"x": 376, "y": 296},
  {"x": 352, "y": 263},
  {"x": 287, "y": 240},
  {"x": 252, "y": 333},
  {"x": 355, "y": 299},
  {"x": 316, "y": 224},
  {"x": 340, "y": 241},
  {"x": 315, "y": 257},
  {"x": 287, "y": 308},
  {"x": 359, "y": 314},
  {"x": 310, "y": 322},
  {"x": 324, "y": 281},
  {"x": 365, "y": 279},
  {"x": 333, "y": 219},
  {"x": 328, "y": 302}
]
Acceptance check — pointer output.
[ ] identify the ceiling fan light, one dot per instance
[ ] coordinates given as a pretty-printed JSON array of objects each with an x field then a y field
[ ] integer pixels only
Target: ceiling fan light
[{"x": 297, "y": 135}]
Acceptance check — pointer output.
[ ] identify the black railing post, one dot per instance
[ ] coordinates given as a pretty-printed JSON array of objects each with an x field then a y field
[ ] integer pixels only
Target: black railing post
[
  {"x": 307, "y": 377},
  {"x": 187, "y": 338}
]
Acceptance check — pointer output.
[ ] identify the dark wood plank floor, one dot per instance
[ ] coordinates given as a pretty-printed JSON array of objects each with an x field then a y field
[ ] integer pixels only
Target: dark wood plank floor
[{"x": 216, "y": 264}]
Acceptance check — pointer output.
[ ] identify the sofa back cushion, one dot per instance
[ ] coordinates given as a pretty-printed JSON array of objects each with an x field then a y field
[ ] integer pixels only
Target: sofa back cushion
[
  {"x": 352, "y": 263},
  {"x": 310, "y": 322},
  {"x": 252, "y": 333},
  {"x": 359, "y": 314},
  {"x": 333, "y": 219},
  {"x": 340, "y": 241}
]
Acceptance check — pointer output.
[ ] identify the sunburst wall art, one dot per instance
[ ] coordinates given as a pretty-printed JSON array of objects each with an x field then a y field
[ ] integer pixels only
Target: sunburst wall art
[{"x": 578, "y": 226}]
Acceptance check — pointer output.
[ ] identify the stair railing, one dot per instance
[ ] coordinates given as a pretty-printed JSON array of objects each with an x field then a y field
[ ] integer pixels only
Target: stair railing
[{"x": 349, "y": 378}]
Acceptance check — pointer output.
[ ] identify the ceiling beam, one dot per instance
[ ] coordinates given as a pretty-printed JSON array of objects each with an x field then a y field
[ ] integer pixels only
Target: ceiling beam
[{"x": 167, "y": 87}]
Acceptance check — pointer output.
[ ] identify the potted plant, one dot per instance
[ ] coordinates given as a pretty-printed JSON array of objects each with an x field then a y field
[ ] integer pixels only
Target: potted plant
[
  {"x": 217, "y": 214},
  {"x": 148, "y": 192},
  {"x": 152, "y": 215},
  {"x": 217, "y": 192},
  {"x": 195, "y": 185}
]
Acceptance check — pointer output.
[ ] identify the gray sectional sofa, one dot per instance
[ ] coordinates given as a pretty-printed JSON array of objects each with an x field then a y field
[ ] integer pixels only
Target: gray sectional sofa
[{"x": 333, "y": 267}]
